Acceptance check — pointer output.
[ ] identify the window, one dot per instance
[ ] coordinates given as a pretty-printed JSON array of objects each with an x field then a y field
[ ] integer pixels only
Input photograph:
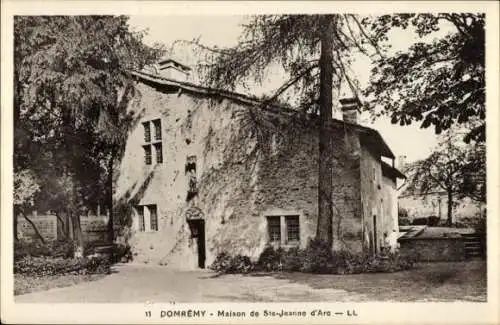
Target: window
[
  {"x": 150, "y": 143},
  {"x": 147, "y": 217},
  {"x": 292, "y": 229},
  {"x": 140, "y": 213},
  {"x": 289, "y": 234},
  {"x": 153, "y": 217},
  {"x": 274, "y": 227},
  {"x": 147, "y": 154},
  {"x": 190, "y": 171},
  {"x": 159, "y": 152},
  {"x": 157, "y": 126},
  {"x": 147, "y": 132}
]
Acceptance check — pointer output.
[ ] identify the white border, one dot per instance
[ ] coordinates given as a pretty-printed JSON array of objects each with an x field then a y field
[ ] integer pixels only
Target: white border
[{"x": 383, "y": 313}]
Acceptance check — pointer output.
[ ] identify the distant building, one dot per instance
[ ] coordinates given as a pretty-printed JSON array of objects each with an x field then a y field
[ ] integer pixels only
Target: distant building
[
  {"x": 207, "y": 171},
  {"x": 434, "y": 203}
]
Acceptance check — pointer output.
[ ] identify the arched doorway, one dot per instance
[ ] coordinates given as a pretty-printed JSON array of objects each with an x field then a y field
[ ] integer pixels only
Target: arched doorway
[{"x": 196, "y": 221}]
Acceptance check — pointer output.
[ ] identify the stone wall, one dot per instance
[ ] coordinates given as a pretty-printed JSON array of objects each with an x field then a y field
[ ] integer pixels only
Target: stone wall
[
  {"x": 45, "y": 224},
  {"x": 93, "y": 227},
  {"x": 371, "y": 185},
  {"x": 249, "y": 165},
  {"x": 390, "y": 212},
  {"x": 433, "y": 249}
]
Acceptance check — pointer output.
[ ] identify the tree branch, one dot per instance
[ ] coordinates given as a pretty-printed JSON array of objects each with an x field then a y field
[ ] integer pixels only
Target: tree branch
[
  {"x": 288, "y": 84},
  {"x": 372, "y": 42}
]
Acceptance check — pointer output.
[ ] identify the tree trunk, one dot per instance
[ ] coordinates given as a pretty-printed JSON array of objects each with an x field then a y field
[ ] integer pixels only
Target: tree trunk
[
  {"x": 64, "y": 229},
  {"x": 450, "y": 208},
  {"x": 77, "y": 235},
  {"x": 325, "y": 185},
  {"x": 109, "y": 184},
  {"x": 34, "y": 228}
]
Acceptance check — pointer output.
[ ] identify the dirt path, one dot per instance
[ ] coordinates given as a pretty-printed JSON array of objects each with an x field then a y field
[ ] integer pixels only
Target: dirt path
[
  {"x": 141, "y": 284},
  {"x": 135, "y": 283}
]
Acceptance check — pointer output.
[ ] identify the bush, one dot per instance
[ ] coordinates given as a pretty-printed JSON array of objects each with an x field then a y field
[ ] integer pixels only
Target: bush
[
  {"x": 23, "y": 249},
  {"x": 64, "y": 249},
  {"x": 293, "y": 260},
  {"x": 420, "y": 222},
  {"x": 318, "y": 257},
  {"x": 433, "y": 221},
  {"x": 226, "y": 264},
  {"x": 222, "y": 263},
  {"x": 122, "y": 253},
  {"x": 270, "y": 260},
  {"x": 46, "y": 266}
]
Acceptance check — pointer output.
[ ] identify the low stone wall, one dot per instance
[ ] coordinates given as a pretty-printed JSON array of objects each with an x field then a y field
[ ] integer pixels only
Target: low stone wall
[
  {"x": 45, "y": 224},
  {"x": 433, "y": 249},
  {"x": 94, "y": 228}
]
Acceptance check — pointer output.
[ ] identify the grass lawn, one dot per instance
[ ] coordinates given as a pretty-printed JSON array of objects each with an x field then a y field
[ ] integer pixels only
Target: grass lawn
[
  {"x": 447, "y": 281},
  {"x": 26, "y": 284}
]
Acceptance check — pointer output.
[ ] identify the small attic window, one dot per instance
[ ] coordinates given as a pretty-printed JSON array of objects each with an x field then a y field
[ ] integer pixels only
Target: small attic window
[{"x": 190, "y": 171}]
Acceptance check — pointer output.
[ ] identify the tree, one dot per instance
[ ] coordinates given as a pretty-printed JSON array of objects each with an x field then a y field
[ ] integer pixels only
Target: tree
[
  {"x": 71, "y": 87},
  {"x": 474, "y": 174},
  {"x": 25, "y": 188},
  {"x": 440, "y": 83},
  {"x": 314, "y": 50},
  {"x": 455, "y": 168}
]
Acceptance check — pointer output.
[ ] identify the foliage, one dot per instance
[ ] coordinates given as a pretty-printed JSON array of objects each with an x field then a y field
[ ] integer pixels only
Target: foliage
[
  {"x": 270, "y": 259},
  {"x": 453, "y": 167},
  {"x": 25, "y": 187},
  {"x": 473, "y": 182},
  {"x": 317, "y": 257},
  {"x": 71, "y": 87},
  {"x": 224, "y": 263},
  {"x": 121, "y": 253},
  {"x": 440, "y": 83},
  {"x": 292, "y": 259},
  {"x": 47, "y": 266},
  {"x": 36, "y": 249}
]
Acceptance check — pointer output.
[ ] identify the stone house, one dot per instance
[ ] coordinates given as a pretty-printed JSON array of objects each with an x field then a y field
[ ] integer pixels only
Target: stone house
[{"x": 207, "y": 171}]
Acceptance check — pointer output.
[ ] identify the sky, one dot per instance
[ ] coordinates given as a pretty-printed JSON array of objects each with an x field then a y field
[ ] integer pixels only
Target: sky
[{"x": 224, "y": 30}]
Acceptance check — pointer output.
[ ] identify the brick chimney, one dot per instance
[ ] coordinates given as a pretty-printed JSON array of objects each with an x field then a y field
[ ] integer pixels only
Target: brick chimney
[
  {"x": 172, "y": 69},
  {"x": 401, "y": 161},
  {"x": 350, "y": 107}
]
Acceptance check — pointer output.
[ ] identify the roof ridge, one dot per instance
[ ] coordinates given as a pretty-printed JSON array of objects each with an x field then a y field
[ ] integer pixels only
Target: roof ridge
[{"x": 252, "y": 100}]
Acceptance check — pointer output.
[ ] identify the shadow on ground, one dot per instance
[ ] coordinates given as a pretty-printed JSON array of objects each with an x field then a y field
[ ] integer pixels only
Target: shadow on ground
[{"x": 429, "y": 281}]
